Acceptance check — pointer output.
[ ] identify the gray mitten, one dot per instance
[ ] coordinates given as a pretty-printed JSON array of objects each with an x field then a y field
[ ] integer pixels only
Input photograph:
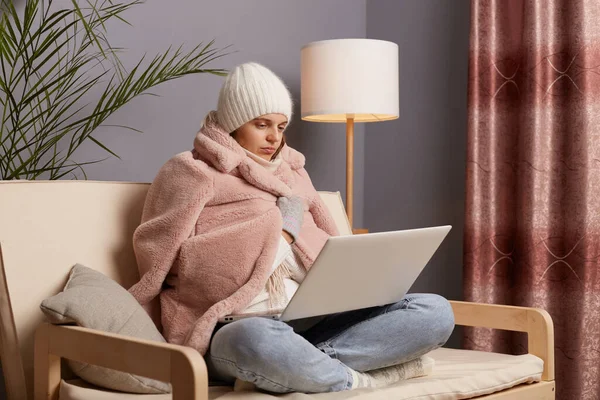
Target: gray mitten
[{"x": 292, "y": 212}]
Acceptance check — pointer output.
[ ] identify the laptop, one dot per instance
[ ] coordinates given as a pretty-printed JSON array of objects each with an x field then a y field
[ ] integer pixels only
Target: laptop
[{"x": 360, "y": 271}]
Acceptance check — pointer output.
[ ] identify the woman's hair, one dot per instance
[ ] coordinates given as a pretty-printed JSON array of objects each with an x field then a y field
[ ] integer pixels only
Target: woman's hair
[
  {"x": 279, "y": 149},
  {"x": 274, "y": 156}
]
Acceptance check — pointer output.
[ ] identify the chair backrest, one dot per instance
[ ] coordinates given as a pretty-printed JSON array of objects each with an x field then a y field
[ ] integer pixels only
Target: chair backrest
[{"x": 46, "y": 228}]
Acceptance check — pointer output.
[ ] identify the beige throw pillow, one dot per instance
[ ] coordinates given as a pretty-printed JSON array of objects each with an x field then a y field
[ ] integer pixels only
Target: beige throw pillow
[{"x": 92, "y": 300}]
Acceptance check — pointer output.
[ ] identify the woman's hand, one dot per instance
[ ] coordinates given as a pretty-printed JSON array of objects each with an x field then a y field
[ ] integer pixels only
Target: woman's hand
[{"x": 292, "y": 212}]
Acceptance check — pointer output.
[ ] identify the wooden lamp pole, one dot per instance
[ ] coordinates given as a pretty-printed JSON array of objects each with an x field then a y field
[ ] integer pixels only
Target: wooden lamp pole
[{"x": 350, "y": 168}]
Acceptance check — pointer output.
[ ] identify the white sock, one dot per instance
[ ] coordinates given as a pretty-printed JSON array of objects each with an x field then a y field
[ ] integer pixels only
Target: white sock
[{"x": 386, "y": 376}]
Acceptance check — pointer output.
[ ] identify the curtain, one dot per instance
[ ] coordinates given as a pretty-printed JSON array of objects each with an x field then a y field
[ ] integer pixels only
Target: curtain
[{"x": 532, "y": 228}]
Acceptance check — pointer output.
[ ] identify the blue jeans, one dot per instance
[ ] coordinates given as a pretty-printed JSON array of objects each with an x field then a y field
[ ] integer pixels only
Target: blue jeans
[{"x": 271, "y": 355}]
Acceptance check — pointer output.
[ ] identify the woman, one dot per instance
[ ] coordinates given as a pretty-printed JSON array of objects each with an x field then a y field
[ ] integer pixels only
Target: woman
[{"x": 232, "y": 227}]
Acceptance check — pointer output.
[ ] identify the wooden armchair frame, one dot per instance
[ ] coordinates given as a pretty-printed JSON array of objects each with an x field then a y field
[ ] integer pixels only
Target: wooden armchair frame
[{"x": 185, "y": 369}]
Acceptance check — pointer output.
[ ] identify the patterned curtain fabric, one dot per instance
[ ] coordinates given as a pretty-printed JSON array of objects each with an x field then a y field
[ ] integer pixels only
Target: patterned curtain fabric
[{"x": 532, "y": 230}]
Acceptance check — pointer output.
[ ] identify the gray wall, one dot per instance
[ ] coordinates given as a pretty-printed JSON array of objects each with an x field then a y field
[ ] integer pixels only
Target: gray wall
[
  {"x": 415, "y": 165},
  {"x": 267, "y": 31}
]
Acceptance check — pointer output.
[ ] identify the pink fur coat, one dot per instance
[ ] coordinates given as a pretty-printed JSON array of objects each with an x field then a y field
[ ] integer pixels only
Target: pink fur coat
[{"x": 210, "y": 231}]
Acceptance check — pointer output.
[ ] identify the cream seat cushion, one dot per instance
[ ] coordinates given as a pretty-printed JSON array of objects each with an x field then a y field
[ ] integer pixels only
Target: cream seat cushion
[{"x": 458, "y": 374}]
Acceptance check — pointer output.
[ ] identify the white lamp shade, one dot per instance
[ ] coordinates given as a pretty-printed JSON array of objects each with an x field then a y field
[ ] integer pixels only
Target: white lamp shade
[{"x": 349, "y": 78}]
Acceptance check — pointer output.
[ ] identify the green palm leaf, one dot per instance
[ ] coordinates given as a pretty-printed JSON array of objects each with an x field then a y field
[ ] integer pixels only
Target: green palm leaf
[{"x": 50, "y": 60}]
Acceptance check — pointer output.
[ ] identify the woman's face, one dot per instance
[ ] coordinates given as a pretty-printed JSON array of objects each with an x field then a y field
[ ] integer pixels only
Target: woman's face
[{"x": 263, "y": 135}]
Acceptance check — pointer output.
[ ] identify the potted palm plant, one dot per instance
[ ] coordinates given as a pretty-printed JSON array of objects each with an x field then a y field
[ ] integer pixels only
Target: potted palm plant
[{"x": 50, "y": 59}]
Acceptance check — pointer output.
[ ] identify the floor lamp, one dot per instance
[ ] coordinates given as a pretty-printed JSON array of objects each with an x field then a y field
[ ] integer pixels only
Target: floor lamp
[{"x": 349, "y": 80}]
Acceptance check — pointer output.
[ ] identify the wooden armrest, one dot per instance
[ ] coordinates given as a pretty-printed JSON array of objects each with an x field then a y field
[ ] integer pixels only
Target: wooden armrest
[
  {"x": 182, "y": 366},
  {"x": 535, "y": 321}
]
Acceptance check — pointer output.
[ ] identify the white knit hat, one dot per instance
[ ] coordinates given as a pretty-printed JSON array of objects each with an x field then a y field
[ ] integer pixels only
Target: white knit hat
[{"x": 249, "y": 91}]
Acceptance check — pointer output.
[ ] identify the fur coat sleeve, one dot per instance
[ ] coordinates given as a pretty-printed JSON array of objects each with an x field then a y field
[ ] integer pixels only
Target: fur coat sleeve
[
  {"x": 317, "y": 208},
  {"x": 173, "y": 204}
]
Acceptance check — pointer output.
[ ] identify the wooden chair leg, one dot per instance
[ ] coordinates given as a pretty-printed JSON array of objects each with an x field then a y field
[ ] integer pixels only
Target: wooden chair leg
[
  {"x": 46, "y": 367},
  {"x": 185, "y": 382}
]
